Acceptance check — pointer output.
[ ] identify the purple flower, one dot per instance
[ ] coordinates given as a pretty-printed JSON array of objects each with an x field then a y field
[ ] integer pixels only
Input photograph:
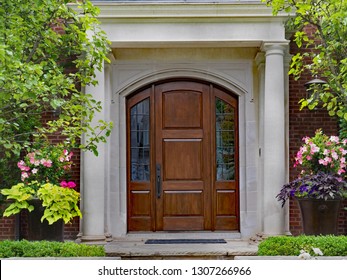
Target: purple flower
[
  {"x": 292, "y": 193},
  {"x": 303, "y": 188}
]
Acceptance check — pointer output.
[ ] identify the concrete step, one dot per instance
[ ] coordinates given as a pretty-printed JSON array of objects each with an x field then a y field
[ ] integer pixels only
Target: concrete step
[{"x": 137, "y": 249}]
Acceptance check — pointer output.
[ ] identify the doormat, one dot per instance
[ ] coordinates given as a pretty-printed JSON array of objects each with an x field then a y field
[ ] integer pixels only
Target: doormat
[{"x": 185, "y": 241}]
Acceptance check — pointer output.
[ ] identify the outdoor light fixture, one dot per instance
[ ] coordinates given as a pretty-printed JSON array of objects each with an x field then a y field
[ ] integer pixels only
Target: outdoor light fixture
[
  {"x": 314, "y": 82},
  {"x": 313, "y": 86}
]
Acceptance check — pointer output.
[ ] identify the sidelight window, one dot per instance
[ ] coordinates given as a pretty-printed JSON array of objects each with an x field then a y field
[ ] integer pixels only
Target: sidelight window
[
  {"x": 140, "y": 141},
  {"x": 225, "y": 141}
]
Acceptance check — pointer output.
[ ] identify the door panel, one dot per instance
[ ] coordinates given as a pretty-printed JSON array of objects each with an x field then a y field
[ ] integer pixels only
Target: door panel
[
  {"x": 182, "y": 109},
  {"x": 179, "y": 203},
  {"x": 183, "y": 171},
  {"x": 182, "y": 159},
  {"x": 179, "y": 107}
]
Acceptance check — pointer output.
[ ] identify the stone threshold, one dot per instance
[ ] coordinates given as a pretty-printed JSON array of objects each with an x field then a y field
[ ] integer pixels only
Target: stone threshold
[{"x": 134, "y": 247}]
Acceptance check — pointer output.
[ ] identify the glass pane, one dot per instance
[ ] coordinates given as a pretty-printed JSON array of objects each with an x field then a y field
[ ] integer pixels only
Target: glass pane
[
  {"x": 225, "y": 144},
  {"x": 140, "y": 141}
]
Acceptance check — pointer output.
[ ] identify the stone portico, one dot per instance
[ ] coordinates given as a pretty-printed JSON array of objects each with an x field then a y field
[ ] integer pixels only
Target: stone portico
[{"x": 238, "y": 46}]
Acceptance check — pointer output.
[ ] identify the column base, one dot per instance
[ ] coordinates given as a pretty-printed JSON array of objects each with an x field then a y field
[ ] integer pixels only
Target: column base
[{"x": 95, "y": 239}]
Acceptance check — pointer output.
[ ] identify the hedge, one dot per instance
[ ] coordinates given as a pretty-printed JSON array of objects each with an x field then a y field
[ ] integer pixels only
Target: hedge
[
  {"x": 330, "y": 245},
  {"x": 24, "y": 248}
]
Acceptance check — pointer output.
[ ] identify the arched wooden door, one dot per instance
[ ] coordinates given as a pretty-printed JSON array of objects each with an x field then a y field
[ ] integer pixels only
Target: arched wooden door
[{"x": 182, "y": 158}]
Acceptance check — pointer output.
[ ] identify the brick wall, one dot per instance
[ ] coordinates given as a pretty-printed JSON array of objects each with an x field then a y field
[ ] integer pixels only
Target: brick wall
[
  {"x": 305, "y": 123},
  {"x": 7, "y": 226}
]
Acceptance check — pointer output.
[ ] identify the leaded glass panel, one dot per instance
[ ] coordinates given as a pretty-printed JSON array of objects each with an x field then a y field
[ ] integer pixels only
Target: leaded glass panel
[
  {"x": 225, "y": 141},
  {"x": 140, "y": 141}
]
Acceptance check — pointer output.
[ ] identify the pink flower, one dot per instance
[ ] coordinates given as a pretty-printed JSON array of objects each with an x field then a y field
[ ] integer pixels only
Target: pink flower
[
  {"x": 343, "y": 151},
  {"x": 308, "y": 157},
  {"x": 61, "y": 159},
  {"x": 340, "y": 171},
  {"x": 334, "y": 155},
  {"x": 328, "y": 159},
  {"x": 299, "y": 157},
  {"x": 46, "y": 163},
  {"x": 21, "y": 165},
  {"x": 24, "y": 176},
  {"x": 306, "y": 139},
  {"x": 314, "y": 148},
  {"x": 31, "y": 155},
  {"x": 334, "y": 139},
  {"x": 63, "y": 184},
  {"x": 69, "y": 184}
]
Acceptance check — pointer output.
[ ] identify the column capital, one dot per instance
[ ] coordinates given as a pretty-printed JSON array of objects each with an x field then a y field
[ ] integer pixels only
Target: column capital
[{"x": 274, "y": 47}]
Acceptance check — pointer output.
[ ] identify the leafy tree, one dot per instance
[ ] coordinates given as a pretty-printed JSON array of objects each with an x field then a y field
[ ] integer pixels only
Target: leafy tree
[
  {"x": 326, "y": 49},
  {"x": 49, "y": 50}
]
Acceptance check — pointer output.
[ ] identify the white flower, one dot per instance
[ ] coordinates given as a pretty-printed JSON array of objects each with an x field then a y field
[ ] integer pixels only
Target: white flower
[
  {"x": 34, "y": 171},
  {"x": 317, "y": 251},
  {"x": 304, "y": 255}
]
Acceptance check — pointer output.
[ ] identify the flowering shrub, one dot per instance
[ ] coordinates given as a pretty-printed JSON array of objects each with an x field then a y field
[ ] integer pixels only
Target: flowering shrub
[
  {"x": 322, "y": 153},
  {"x": 42, "y": 174},
  {"x": 46, "y": 165},
  {"x": 322, "y": 163}
]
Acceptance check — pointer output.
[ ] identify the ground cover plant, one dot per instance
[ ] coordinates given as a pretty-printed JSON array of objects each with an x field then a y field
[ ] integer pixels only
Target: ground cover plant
[
  {"x": 24, "y": 248},
  {"x": 330, "y": 245}
]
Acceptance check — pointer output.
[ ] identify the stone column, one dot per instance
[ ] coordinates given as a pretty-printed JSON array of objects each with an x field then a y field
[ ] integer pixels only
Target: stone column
[
  {"x": 260, "y": 63},
  {"x": 93, "y": 175},
  {"x": 274, "y": 145},
  {"x": 287, "y": 60}
]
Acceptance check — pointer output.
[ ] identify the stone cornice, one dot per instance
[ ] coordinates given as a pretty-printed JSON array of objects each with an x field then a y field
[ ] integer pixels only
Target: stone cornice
[{"x": 154, "y": 10}]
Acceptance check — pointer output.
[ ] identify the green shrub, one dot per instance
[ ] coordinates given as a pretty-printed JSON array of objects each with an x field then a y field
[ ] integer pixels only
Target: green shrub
[
  {"x": 26, "y": 248},
  {"x": 290, "y": 245}
]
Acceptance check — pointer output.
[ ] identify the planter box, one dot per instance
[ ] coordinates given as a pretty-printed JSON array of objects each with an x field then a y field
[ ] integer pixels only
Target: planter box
[
  {"x": 38, "y": 230},
  {"x": 319, "y": 216}
]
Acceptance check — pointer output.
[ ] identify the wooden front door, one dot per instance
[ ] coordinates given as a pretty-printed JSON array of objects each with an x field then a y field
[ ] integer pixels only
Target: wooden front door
[{"x": 182, "y": 158}]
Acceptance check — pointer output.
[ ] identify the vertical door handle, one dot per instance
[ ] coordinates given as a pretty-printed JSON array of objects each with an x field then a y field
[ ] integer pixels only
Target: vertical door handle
[{"x": 158, "y": 180}]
